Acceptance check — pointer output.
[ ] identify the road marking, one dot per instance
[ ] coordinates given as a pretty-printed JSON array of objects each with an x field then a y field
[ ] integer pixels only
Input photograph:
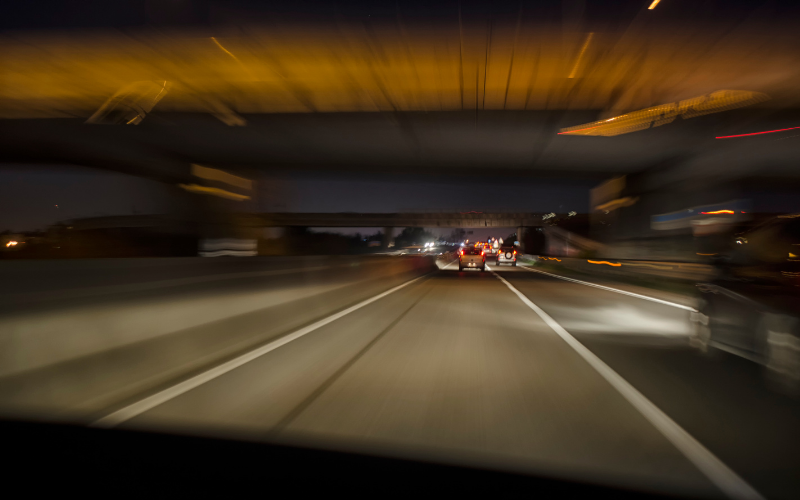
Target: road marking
[
  {"x": 713, "y": 468},
  {"x": 150, "y": 402},
  {"x": 608, "y": 288}
]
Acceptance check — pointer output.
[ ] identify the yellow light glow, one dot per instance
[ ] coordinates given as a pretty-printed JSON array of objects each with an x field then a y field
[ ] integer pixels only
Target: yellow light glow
[
  {"x": 715, "y": 102},
  {"x": 214, "y": 174},
  {"x": 618, "y": 203},
  {"x": 224, "y": 49},
  {"x": 11, "y": 244},
  {"x": 652, "y": 266},
  {"x": 580, "y": 55},
  {"x": 612, "y": 264},
  {"x": 245, "y": 68},
  {"x": 194, "y": 188},
  {"x": 313, "y": 68},
  {"x": 653, "y": 5}
]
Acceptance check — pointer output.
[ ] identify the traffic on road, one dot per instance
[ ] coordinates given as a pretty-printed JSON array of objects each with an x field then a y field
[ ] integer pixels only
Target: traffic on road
[{"x": 517, "y": 367}]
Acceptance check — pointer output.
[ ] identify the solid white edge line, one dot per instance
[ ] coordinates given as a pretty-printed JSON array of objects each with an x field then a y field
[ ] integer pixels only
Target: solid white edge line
[
  {"x": 711, "y": 466},
  {"x": 150, "y": 402},
  {"x": 608, "y": 288}
]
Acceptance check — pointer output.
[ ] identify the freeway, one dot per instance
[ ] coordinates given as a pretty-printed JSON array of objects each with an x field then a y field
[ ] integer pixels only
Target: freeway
[{"x": 512, "y": 369}]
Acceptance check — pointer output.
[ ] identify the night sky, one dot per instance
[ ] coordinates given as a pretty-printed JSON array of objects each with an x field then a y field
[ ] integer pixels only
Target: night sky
[{"x": 29, "y": 194}]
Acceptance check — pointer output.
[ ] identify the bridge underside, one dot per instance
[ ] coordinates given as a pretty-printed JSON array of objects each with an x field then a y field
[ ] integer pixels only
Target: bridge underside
[{"x": 430, "y": 220}]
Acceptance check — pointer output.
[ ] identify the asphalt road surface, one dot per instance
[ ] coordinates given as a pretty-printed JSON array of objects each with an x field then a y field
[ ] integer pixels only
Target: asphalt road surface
[{"x": 511, "y": 369}]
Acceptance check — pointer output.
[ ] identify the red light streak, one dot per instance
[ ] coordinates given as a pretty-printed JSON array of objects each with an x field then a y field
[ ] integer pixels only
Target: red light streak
[
  {"x": 756, "y": 133},
  {"x": 582, "y": 129}
]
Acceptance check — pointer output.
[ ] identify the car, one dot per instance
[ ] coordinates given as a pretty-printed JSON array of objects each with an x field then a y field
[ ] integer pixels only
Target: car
[
  {"x": 472, "y": 258},
  {"x": 489, "y": 250},
  {"x": 752, "y": 307},
  {"x": 507, "y": 255}
]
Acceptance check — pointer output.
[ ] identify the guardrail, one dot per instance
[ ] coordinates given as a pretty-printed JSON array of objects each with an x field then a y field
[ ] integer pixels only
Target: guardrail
[{"x": 681, "y": 271}]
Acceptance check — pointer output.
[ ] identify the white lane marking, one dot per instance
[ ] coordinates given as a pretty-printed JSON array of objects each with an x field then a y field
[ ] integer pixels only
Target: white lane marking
[
  {"x": 150, "y": 402},
  {"x": 608, "y": 288},
  {"x": 713, "y": 468}
]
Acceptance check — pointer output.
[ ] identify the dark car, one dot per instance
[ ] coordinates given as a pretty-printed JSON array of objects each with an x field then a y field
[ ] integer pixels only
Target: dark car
[{"x": 752, "y": 308}]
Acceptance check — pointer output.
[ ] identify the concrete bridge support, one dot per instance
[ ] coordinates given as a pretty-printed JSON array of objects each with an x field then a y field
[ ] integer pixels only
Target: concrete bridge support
[
  {"x": 388, "y": 236},
  {"x": 223, "y": 211}
]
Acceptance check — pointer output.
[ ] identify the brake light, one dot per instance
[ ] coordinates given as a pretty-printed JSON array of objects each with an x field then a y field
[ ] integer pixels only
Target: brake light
[
  {"x": 482, "y": 252},
  {"x": 462, "y": 252},
  {"x": 515, "y": 252}
]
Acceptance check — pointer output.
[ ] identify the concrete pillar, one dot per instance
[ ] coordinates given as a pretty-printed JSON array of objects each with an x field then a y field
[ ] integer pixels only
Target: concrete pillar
[
  {"x": 388, "y": 235},
  {"x": 521, "y": 239},
  {"x": 224, "y": 208}
]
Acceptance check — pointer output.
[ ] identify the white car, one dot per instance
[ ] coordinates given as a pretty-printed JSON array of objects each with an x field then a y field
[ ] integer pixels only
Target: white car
[
  {"x": 471, "y": 258},
  {"x": 506, "y": 255}
]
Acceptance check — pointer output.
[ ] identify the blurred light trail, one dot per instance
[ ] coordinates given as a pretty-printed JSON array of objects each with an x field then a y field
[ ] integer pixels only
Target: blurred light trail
[
  {"x": 194, "y": 188},
  {"x": 655, "y": 116},
  {"x": 580, "y": 55},
  {"x": 244, "y": 68},
  {"x": 653, "y": 5},
  {"x": 612, "y": 264},
  {"x": 305, "y": 67},
  {"x": 652, "y": 266},
  {"x": 719, "y": 212},
  {"x": 757, "y": 133},
  {"x": 579, "y": 130},
  {"x": 213, "y": 174}
]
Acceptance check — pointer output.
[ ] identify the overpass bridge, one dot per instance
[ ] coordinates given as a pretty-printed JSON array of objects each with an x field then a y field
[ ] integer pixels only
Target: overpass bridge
[
  {"x": 459, "y": 96},
  {"x": 387, "y": 221},
  {"x": 427, "y": 220}
]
